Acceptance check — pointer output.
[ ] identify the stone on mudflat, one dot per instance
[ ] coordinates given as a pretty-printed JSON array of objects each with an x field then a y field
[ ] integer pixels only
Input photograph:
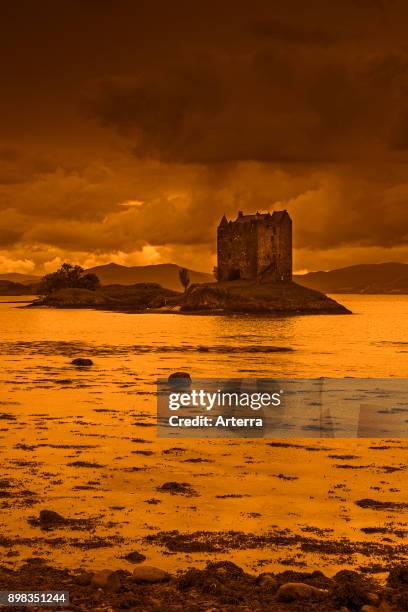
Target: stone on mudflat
[
  {"x": 84, "y": 579},
  {"x": 106, "y": 580},
  {"x": 268, "y": 582},
  {"x": 179, "y": 378},
  {"x": 298, "y": 591},
  {"x": 147, "y": 573},
  {"x": 49, "y": 518},
  {"x": 82, "y": 361},
  {"x": 134, "y": 557}
]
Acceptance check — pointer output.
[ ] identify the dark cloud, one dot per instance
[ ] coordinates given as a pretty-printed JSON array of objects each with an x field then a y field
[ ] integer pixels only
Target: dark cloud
[
  {"x": 276, "y": 105},
  {"x": 128, "y": 129},
  {"x": 19, "y": 166},
  {"x": 296, "y": 34}
]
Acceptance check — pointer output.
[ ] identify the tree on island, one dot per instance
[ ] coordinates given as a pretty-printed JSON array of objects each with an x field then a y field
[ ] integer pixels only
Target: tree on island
[
  {"x": 184, "y": 277},
  {"x": 68, "y": 277}
]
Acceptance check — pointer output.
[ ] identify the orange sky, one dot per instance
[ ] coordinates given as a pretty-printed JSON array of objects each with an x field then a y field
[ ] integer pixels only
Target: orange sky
[{"x": 128, "y": 128}]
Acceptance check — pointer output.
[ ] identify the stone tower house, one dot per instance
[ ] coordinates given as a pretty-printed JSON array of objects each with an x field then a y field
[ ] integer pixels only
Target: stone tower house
[{"x": 255, "y": 247}]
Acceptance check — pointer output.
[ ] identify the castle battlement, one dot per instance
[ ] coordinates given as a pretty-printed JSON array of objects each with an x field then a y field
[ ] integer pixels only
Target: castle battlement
[{"x": 255, "y": 246}]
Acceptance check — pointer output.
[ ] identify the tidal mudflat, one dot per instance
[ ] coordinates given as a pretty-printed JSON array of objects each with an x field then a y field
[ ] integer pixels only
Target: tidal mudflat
[{"x": 81, "y": 442}]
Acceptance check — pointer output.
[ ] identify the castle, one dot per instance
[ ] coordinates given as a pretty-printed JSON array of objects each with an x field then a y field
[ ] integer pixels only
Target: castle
[{"x": 255, "y": 246}]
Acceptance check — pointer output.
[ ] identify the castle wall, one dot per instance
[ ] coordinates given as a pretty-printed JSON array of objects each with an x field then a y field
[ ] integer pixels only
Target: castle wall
[
  {"x": 275, "y": 249},
  {"x": 237, "y": 251},
  {"x": 284, "y": 263},
  {"x": 268, "y": 249},
  {"x": 255, "y": 247}
]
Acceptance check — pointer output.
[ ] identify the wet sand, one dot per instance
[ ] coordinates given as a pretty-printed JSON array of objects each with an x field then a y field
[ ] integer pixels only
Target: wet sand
[{"x": 311, "y": 504}]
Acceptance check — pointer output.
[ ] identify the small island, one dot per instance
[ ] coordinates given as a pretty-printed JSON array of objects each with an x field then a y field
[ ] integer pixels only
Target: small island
[
  {"x": 254, "y": 271},
  {"x": 279, "y": 298},
  {"x": 253, "y": 276}
]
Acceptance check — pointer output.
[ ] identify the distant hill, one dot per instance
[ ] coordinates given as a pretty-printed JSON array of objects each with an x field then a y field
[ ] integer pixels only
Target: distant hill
[
  {"x": 166, "y": 275},
  {"x": 10, "y": 288},
  {"x": 386, "y": 278},
  {"x": 15, "y": 277}
]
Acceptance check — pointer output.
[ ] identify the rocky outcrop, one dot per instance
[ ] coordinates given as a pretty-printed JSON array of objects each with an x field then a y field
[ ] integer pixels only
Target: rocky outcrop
[{"x": 259, "y": 298}]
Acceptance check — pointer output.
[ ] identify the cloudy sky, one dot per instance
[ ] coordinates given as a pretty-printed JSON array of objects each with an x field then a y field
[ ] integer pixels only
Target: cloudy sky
[{"x": 127, "y": 128}]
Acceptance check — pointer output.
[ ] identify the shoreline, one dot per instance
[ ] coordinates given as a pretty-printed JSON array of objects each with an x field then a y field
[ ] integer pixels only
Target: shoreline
[
  {"x": 203, "y": 312},
  {"x": 219, "y": 586},
  {"x": 272, "y": 299}
]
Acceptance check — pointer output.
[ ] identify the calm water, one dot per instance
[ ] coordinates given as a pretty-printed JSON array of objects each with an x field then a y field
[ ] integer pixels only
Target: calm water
[
  {"x": 371, "y": 342},
  {"x": 83, "y": 442}
]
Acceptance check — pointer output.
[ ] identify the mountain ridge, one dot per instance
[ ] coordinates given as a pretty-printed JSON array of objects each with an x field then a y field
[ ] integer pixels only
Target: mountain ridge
[
  {"x": 383, "y": 278},
  {"x": 17, "y": 277}
]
